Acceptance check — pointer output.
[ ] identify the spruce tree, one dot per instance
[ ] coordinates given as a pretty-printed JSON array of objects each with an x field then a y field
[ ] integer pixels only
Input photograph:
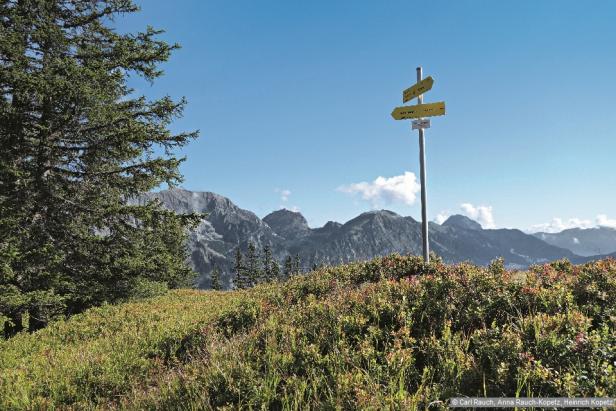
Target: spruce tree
[
  {"x": 252, "y": 265},
  {"x": 297, "y": 264},
  {"x": 76, "y": 145},
  {"x": 276, "y": 273},
  {"x": 288, "y": 266},
  {"x": 216, "y": 278},
  {"x": 238, "y": 267},
  {"x": 268, "y": 263}
]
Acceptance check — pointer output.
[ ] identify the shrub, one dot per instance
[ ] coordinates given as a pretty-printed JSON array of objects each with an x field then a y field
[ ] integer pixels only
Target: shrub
[{"x": 389, "y": 333}]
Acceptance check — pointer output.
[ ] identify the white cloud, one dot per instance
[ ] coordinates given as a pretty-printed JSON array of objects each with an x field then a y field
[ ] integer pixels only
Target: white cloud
[
  {"x": 292, "y": 208},
  {"x": 603, "y": 221},
  {"x": 441, "y": 217},
  {"x": 402, "y": 188},
  {"x": 284, "y": 194},
  {"x": 558, "y": 224},
  {"x": 482, "y": 214},
  {"x": 575, "y": 240}
]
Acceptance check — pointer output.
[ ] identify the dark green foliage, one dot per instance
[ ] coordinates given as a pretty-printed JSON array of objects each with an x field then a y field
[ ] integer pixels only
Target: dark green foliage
[
  {"x": 276, "y": 273},
  {"x": 239, "y": 319},
  {"x": 317, "y": 267},
  {"x": 76, "y": 145},
  {"x": 297, "y": 264},
  {"x": 241, "y": 280},
  {"x": 292, "y": 265},
  {"x": 288, "y": 266},
  {"x": 253, "y": 271},
  {"x": 216, "y": 279},
  {"x": 268, "y": 264}
]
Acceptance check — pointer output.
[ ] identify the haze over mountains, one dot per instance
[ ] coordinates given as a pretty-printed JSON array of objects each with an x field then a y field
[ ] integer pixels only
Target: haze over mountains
[
  {"x": 583, "y": 241},
  {"x": 373, "y": 233}
]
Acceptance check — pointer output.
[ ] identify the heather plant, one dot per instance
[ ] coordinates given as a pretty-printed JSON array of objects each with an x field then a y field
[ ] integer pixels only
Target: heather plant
[
  {"x": 391, "y": 333},
  {"x": 97, "y": 356}
]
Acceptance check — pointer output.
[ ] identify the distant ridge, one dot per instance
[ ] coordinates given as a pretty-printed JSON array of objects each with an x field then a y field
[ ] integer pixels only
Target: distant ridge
[
  {"x": 370, "y": 234},
  {"x": 462, "y": 222},
  {"x": 583, "y": 241}
]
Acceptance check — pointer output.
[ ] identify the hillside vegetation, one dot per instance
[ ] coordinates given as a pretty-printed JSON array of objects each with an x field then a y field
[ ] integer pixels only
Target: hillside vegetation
[{"x": 389, "y": 333}]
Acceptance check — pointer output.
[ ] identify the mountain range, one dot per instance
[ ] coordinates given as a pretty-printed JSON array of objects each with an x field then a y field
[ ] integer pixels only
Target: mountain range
[
  {"x": 583, "y": 241},
  {"x": 374, "y": 233}
]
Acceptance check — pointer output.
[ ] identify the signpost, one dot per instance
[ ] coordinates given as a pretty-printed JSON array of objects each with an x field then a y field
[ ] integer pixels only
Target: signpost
[
  {"x": 419, "y": 111},
  {"x": 418, "y": 89}
]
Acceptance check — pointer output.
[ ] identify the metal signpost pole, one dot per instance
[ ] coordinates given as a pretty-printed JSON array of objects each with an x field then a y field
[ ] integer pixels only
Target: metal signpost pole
[
  {"x": 424, "y": 195},
  {"x": 419, "y": 112}
]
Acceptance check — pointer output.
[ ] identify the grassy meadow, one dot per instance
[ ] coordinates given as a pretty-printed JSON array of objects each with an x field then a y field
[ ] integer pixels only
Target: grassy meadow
[{"x": 391, "y": 333}]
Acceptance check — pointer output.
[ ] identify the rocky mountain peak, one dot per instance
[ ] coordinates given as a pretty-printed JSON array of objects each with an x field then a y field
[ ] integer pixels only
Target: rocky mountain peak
[
  {"x": 331, "y": 225},
  {"x": 460, "y": 221},
  {"x": 329, "y": 228},
  {"x": 373, "y": 215},
  {"x": 184, "y": 201},
  {"x": 288, "y": 224}
]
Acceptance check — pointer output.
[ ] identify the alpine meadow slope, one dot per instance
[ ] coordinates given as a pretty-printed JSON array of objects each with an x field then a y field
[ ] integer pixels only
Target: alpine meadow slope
[{"x": 389, "y": 333}]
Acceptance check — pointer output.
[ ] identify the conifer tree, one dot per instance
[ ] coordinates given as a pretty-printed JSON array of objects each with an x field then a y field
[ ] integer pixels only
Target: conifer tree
[
  {"x": 276, "y": 273},
  {"x": 268, "y": 264},
  {"x": 240, "y": 276},
  {"x": 76, "y": 145},
  {"x": 297, "y": 264},
  {"x": 216, "y": 278},
  {"x": 288, "y": 266},
  {"x": 252, "y": 265}
]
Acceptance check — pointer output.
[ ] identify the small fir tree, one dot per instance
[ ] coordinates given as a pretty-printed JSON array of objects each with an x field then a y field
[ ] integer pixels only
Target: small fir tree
[
  {"x": 268, "y": 263},
  {"x": 288, "y": 266},
  {"x": 297, "y": 264},
  {"x": 252, "y": 265},
  {"x": 216, "y": 279},
  {"x": 276, "y": 273},
  {"x": 238, "y": 268}
]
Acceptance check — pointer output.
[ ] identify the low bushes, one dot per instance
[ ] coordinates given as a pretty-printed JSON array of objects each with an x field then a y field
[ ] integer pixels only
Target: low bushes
[
  {"x": 389, "y": 333},
  {"x": 104, "y": 353}
]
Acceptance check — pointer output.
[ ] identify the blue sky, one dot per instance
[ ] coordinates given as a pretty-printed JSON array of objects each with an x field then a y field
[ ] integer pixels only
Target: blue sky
[{"x": 293, "y": 101}]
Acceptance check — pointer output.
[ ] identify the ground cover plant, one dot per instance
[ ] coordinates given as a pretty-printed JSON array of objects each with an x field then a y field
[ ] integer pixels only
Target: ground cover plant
[
  {"x": 388, "y": 333},
  {"x": 94, "y": 357}
]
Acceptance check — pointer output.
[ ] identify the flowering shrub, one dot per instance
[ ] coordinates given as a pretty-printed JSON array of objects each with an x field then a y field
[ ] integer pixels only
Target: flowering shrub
[{"x": 388, "y": 333}]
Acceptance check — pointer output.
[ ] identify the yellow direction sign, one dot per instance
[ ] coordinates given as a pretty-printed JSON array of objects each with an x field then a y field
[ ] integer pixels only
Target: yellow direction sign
[
  {"x": 418, "y": 89},
  {"x": 419, "y": 110}
]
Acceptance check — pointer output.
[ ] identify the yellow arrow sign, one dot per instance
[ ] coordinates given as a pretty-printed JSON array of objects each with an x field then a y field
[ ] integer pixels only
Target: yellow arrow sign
[
  {"x": 418, "y": 89},
  {"x": 419, "y": 110}
]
